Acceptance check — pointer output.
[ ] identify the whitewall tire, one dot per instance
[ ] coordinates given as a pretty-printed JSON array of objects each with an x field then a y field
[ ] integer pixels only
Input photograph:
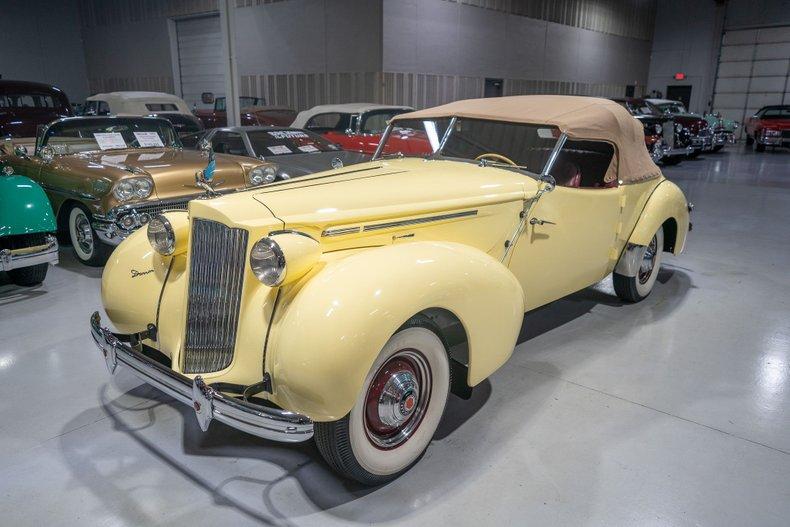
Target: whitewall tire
[
  {"x": 397, "y": 411},
  {"x": 636, "y": 288},
  {"x": 84, "y": 241}
]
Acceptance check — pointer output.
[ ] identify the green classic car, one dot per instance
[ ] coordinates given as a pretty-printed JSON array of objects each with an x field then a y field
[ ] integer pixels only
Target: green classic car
[
  {"x": 27, "y": 227},
  {"x": 724, "y": 130}
]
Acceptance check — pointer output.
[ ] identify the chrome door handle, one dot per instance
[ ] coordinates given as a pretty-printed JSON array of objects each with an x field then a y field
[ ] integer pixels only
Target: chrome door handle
[{"x": 536, "y": 221}]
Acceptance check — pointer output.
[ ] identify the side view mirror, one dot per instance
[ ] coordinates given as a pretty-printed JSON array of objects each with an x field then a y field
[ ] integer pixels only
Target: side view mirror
[
  {"x": 349, "y": 131},
  {"x": 47, "y": 154},
  {"x": 21, "y": 151},
  {"x": 549, "y": 183}
]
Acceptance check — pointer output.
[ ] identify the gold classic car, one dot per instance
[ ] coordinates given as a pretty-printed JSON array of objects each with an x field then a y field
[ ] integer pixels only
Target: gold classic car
[
  {"x": 107, "y": 176},
  {"x": 346, "y": 305}
]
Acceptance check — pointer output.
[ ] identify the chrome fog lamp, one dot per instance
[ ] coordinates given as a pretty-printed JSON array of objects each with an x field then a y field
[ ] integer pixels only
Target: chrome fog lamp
[
  {"x": 268, "y": 262},
  {"x": 161, "y": 235},
  {"x": 262, "y": 175},
  {"x": 269, "y": 255},
  {"x": 128, "y": 222}
]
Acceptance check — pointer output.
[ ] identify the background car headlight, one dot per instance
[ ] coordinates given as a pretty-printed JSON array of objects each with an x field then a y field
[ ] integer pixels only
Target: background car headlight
[
  {"x": 161, "y": 235},
  {"x": 134, "y": 187},
  {"x": 659, "y": 128},
  {"x": 267, "y": 262},
  {"x": 262, "y": 175},
  {"x": 678, "y": 127}
]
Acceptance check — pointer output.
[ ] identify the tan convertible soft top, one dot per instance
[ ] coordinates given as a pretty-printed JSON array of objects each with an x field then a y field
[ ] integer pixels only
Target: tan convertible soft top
[{"x": 579, "y": 117}]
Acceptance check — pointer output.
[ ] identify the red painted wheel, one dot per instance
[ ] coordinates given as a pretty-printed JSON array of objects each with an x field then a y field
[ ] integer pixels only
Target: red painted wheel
[{"x": 397, "y": 398}]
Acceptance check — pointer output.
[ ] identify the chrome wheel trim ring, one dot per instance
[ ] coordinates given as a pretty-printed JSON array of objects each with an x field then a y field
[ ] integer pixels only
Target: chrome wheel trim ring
[
  {"x": 648, "y": 261},
  {"x": 81, "y": 233},
  {"x": 397, "y": 399}
]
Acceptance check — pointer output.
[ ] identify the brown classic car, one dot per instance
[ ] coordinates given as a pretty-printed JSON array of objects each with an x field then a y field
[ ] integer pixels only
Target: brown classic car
[
  {"x": 26, "y": 105},
  {"x": 107, "y": 176},
  {"x": 253, "y": 112}
]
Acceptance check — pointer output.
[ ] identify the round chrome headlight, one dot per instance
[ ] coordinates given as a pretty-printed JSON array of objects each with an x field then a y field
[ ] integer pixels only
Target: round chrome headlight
[
  {"x": 133, "y": 187},
  {"x": 262, "y": 175},
  {"x": 124, "y": 190},
  {"x": 267, "y": 262},
  {"x": 161, "y": 235}
]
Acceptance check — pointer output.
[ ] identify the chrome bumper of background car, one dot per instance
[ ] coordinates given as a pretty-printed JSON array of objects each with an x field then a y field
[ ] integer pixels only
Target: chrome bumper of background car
[
  {"x": 679, "y": 151},
  {"x": 208, "y": 402},
  {"x": 29, "y": 256},
  {"x": 723, "y": 138},
  {"x": 123, "y": 220}
]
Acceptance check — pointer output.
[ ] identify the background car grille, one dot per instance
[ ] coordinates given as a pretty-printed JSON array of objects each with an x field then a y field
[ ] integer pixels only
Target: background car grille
[
  {"x": 158, "y": 207},
  {"x": 216, "y": 274}
]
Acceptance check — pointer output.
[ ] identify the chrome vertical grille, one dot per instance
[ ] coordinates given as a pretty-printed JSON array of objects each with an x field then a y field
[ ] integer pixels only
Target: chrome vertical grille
[{"x": 216, "y": 275}]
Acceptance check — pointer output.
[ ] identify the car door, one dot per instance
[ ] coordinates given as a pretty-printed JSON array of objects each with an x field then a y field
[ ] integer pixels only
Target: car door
[{"x": 570, "y": 238}]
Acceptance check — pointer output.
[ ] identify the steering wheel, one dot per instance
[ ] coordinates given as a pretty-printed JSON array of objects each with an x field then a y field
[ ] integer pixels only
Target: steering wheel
[{"x": 497, "y": 157}]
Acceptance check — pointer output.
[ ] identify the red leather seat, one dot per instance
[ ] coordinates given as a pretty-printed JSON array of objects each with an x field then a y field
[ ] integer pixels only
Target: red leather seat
[{"x": 567, "y": 174}]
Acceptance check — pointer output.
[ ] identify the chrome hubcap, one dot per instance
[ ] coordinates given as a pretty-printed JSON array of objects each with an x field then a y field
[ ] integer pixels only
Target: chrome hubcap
[
  {"x": 397, "y": 399},
  {"x": 84, "y": 234},
  {"x": 648, "y": 261}
]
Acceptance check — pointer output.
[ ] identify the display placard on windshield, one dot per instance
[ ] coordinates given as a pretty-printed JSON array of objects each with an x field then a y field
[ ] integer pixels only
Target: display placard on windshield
[
  {"x": 109, "y": 140},
  {"x": 149, "y": 140}
]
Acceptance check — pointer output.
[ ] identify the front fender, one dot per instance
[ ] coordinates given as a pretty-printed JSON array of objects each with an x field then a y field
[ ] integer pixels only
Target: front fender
[
  {"x": 24, "y": 207},
  {"x": 329, "y": 330},
  {"x": 666, "y": 202}
]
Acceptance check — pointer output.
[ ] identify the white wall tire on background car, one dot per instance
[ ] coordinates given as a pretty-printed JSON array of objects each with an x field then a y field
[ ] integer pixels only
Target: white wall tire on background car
[
  {"x": 84, "y": 241},
  {"x": 636, "y": 288},
  {"x": 397, "y": 411}
]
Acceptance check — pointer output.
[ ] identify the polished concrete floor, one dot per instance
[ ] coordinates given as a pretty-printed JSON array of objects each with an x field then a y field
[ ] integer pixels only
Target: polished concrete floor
[{"x": 675, "y": 411}]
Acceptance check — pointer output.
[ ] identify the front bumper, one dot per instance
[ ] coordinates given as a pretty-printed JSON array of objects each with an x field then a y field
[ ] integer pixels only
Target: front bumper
[
  {"x": 208, "y": 402},
  {"x": 678, "y": 151},
  {"x": 723, "y": 137},
  {"x": 123, "y": 220},
  {"x": 29, "y": 256},
  {"x": 704, "y": 143}
]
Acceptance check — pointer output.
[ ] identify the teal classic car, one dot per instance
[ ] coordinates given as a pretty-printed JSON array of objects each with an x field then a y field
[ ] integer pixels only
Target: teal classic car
[
  {"x": 723, "y": 130},
  {"x": 27, "y": 227}
]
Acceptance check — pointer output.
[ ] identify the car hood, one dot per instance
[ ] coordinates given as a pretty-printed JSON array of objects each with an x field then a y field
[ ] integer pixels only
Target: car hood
[
  {"x": 371, "y": 203},
  {"x": 173, "y": 170}
]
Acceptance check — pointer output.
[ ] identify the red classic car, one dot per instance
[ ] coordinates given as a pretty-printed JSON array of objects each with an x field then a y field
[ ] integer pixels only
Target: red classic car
[
  {"x": 358, "y": 127},
  {"x": 769, "y": 127},
  {"x": 254, "y": 112},
  {"x": 25, "y": 105}
]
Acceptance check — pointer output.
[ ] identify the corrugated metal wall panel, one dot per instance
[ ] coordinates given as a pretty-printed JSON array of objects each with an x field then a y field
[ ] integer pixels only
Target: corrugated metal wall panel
[
  {"x": 103, "y": 13},
  {"x": 304, "y": 90},
  {"x": 627, "y": 18}
]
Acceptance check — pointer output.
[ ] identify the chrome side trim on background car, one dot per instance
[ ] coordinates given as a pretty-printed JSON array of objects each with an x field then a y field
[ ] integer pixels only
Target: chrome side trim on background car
[{"x": 208, "y": 402}]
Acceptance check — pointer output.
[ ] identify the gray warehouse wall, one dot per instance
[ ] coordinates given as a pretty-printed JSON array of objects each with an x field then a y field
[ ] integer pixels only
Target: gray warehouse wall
[
  {"x": 440, "y": 50},
  {"x": 41, "y": 42},
  {"x": 688, "y": 37}
]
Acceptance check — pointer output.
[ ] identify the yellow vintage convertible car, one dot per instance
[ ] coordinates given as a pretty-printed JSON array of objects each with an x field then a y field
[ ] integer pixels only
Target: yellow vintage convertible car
[{"x": 345, "y": 306}]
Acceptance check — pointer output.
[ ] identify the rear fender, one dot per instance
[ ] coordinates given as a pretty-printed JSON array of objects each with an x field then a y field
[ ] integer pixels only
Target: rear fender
[
  {"x": 667, "y": 206},
  {"x": 331, "y": 326}
]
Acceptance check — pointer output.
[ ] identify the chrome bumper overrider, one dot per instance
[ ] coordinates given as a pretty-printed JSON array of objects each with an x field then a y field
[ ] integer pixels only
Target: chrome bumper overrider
[
  {"x": 208, "y": 402},
  {"x": 29, "y": 256}
]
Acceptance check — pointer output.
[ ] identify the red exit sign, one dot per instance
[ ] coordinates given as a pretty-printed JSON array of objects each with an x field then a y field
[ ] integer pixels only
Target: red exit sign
[{"x": 680, "y": 76}]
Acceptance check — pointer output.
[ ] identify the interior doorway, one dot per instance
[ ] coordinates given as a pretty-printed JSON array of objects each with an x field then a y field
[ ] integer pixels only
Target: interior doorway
[
  {"x": 493, "y": 88},
  {"x": 680, "y": 93}
]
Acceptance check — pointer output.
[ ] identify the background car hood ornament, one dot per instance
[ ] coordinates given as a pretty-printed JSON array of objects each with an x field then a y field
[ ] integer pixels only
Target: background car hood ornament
[{"x": 204, "y": 179}]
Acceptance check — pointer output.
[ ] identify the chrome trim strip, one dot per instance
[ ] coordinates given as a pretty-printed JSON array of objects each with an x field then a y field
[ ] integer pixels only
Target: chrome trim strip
[
  {"x": 339, "y": 231},
  {"x": 418, "y": 221},
  {"x": 209, "y": 403}
]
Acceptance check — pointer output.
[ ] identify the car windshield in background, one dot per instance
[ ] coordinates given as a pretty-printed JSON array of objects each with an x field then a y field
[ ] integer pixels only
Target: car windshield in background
[
  {"x": 639, "y": 109},
  {"x": 526, "y": 145},
  {"x": 91, "y": 134},
  {"x": 374, "y": 122},
  {"x": 778, "y": 112},
  {"x": 284, "y": 142},
  {"x": 672, "y": 107}
]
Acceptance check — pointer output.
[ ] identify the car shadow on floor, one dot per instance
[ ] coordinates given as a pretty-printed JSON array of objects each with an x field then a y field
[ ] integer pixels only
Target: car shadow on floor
[{"x": 303, "y": 463}]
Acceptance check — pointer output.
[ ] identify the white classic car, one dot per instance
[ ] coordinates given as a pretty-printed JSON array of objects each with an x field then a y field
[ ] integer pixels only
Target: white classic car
[{"x": 145, "y": 103}]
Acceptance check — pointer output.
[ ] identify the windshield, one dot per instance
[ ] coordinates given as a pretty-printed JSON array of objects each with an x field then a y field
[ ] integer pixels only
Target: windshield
[
  {"x": 374, "y": 122},
  {"x": 87, "y": 134},
  {"x": 776, "y": 112},
  {"x": 284, "y": 142},
  {"x": 525, "y": 145},
  {"x": 672, "y": 107},
  {"x": 638, "y": 109}
]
